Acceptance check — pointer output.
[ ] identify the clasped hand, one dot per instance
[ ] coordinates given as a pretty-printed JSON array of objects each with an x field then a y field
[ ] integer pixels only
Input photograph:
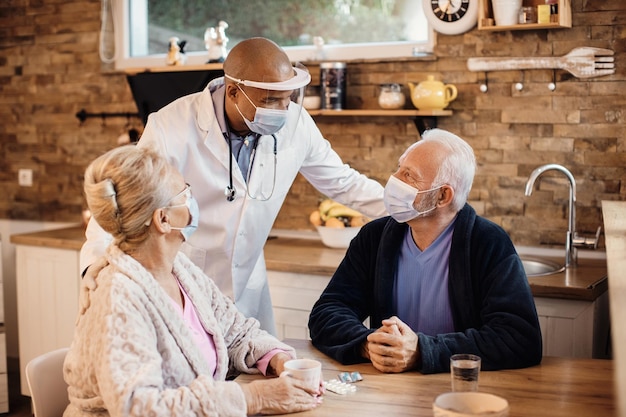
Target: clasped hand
[{"x": 393, "y": 347}]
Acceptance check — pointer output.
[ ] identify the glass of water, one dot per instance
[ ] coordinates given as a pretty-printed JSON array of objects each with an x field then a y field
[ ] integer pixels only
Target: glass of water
[{"x": 464, "y": 371}]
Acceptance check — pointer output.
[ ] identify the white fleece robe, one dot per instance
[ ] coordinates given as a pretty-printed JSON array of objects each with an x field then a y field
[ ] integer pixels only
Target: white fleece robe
[{"x": 133, "y": 355}]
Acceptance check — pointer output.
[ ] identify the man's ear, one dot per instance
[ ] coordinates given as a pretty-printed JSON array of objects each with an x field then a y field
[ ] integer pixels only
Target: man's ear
[{"x": 446, "y": 195}]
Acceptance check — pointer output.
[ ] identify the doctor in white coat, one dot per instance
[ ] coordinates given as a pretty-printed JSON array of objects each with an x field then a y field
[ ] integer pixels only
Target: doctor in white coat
[{"x": 240, "y": 144}]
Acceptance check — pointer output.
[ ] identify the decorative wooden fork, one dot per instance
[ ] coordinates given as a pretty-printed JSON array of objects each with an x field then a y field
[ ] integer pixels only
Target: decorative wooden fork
[{"x": 583, "y": 62}]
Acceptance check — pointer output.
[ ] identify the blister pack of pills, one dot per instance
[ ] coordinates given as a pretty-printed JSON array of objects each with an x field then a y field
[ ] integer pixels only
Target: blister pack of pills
[
  {"x": 350, "y": 377},
  {"x": 338, "y": 387}
]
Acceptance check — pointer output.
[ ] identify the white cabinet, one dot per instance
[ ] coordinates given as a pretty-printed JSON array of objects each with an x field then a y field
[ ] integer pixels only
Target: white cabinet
[
  {"x": 574, "y": 328},
  {"x": 48, "y": 283},
  {"x": 293, "y": 296},
  {"x": 570, "y": 328},
  {"x": 4, "y": 386}
]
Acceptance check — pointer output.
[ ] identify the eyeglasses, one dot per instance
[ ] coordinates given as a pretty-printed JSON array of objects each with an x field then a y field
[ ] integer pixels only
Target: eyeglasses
[{"x": 186, "y": 192}]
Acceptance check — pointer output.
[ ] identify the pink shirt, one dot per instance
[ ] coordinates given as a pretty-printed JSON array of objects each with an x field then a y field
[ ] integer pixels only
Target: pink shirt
[{"x": 205, "y": 341}]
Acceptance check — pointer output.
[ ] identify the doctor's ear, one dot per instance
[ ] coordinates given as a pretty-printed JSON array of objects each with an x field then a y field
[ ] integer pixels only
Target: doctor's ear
[{"x": 231, "y": 91}]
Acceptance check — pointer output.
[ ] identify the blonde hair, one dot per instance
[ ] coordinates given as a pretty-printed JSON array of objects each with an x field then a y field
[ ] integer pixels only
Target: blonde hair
[{"x": 123, "y": 188}]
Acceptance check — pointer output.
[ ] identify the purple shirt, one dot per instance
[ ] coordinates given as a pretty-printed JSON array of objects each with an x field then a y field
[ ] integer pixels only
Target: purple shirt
[{"x": 421, "y": 285}]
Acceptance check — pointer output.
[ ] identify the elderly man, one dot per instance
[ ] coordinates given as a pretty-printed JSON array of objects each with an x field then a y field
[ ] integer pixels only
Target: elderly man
[
  {"x": 240, "y": 144},
  {"x": 435, "y": 279}
]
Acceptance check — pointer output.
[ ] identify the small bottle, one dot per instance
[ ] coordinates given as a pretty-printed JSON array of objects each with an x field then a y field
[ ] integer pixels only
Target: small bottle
[
  {"x": 554, "y": 10},
  {"x": 527, "y": 15}
]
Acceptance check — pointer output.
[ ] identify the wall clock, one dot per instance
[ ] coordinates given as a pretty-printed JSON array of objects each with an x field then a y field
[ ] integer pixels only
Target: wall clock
[{"x": 451, "y": 17}]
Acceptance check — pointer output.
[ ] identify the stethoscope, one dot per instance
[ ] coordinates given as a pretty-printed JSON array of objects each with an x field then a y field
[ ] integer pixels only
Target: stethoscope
[{"x": 230, "y": 191}]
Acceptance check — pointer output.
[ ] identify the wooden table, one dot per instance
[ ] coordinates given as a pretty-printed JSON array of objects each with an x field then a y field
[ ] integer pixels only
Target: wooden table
[{"x": 558, "y": 387}]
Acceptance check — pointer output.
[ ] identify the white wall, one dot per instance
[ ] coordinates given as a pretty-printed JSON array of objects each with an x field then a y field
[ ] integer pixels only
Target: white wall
[{"x": 8, "y": 228}]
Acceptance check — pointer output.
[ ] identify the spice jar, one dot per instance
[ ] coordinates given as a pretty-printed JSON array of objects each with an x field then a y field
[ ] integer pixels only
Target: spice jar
[
  {"x": 527, "y": 15},
  {"x": 391, "y": 96}
]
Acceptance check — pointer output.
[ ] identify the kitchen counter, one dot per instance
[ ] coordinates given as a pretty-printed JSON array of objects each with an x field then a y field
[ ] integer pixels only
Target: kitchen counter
[
  {"x": 309, "y": 256},
  {"x": 67, "y": 238}
]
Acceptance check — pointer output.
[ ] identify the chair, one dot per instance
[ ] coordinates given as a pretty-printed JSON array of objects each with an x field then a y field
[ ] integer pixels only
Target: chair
[{"x": 48, "y": 390}]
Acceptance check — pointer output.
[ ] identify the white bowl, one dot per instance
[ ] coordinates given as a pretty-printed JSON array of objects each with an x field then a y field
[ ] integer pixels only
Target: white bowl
[
  {"x": 337, "y": 237},
  {"x": 311, "y": 102},
  {"x": 466, "y": 404}
]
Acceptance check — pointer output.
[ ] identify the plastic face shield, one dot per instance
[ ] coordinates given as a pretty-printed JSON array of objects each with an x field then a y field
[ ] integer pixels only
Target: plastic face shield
[{"x": 276, "y": 95}]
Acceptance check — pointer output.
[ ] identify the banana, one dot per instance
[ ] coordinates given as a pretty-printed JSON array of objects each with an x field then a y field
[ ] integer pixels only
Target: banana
[
  {"x": 325, "y": 205},
  {"x": 342, "y": 211},
  {"x": 328, "y": 212}
]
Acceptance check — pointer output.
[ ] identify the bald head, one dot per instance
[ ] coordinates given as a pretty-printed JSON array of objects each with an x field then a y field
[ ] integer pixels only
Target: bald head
[{"x": 258, "y": 59}]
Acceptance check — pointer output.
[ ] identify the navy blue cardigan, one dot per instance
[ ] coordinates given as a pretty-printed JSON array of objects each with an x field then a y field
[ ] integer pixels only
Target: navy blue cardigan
[{"x": 492, "y": 306}]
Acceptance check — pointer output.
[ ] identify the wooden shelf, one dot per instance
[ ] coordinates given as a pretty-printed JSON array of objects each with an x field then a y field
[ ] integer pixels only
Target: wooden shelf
[
  {"x": 424, "y": 119},
  {"x": 173, "y": 68},
  {"x": 486, "y": 21},
  {"x": 380, "y": 112}
]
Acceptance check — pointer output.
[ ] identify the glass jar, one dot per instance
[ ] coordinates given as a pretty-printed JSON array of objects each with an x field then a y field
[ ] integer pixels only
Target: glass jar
[
  {"x": 391, "y": 96},
  {"x": 527, "y": 15},
  {"x": 312, "y": 99}
]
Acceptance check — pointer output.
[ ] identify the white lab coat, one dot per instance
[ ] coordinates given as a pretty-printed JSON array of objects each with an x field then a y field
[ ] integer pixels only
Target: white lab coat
[{"x": 228, "y": 244}]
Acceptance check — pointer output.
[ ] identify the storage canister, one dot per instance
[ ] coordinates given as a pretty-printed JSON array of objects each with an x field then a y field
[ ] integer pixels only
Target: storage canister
[{"x": 333, "y": 85}]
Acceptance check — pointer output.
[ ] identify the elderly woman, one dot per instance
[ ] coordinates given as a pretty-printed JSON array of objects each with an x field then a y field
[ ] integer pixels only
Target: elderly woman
[{"x": 155, "y": 336}]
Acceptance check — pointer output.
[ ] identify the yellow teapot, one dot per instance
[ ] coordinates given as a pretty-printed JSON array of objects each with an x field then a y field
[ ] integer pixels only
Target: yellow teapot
[{"x": 432, "y": 94}]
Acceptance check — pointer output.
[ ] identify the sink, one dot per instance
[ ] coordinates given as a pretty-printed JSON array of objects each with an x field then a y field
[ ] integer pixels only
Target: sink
[{"x": 535, "y": 267}]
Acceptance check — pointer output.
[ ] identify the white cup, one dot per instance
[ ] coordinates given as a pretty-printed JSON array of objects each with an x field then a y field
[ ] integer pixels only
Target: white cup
[
  {"x": 506, "y": 12},
  {"x": 308, "y": 371}
]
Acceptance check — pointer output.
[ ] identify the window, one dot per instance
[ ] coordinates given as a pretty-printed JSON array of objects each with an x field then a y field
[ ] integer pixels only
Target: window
[{"x": 350, "y": 29}]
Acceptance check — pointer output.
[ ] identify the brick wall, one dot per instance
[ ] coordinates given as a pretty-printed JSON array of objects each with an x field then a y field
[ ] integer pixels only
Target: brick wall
[{"x": 50, "y": 69}]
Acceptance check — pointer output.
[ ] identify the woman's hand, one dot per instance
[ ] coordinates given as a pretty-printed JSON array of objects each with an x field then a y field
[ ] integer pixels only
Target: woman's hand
[
  {"x": 277, "y": 364},
  {"x": 279, "y": 396}
]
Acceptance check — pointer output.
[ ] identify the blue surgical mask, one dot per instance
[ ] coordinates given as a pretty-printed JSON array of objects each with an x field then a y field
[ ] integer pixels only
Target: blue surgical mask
[
  {"x": 399, "y": 199},
  {"x": 194, "y": 213},
  {"x": 266, "y": 121}
]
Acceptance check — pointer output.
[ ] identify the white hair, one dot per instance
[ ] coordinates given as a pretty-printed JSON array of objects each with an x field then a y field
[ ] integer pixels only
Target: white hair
[{"x": 458, "y": 166}]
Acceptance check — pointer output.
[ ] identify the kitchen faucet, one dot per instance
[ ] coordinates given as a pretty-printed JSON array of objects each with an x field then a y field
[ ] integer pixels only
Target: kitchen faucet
[{"x": 572, "y": 239}]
